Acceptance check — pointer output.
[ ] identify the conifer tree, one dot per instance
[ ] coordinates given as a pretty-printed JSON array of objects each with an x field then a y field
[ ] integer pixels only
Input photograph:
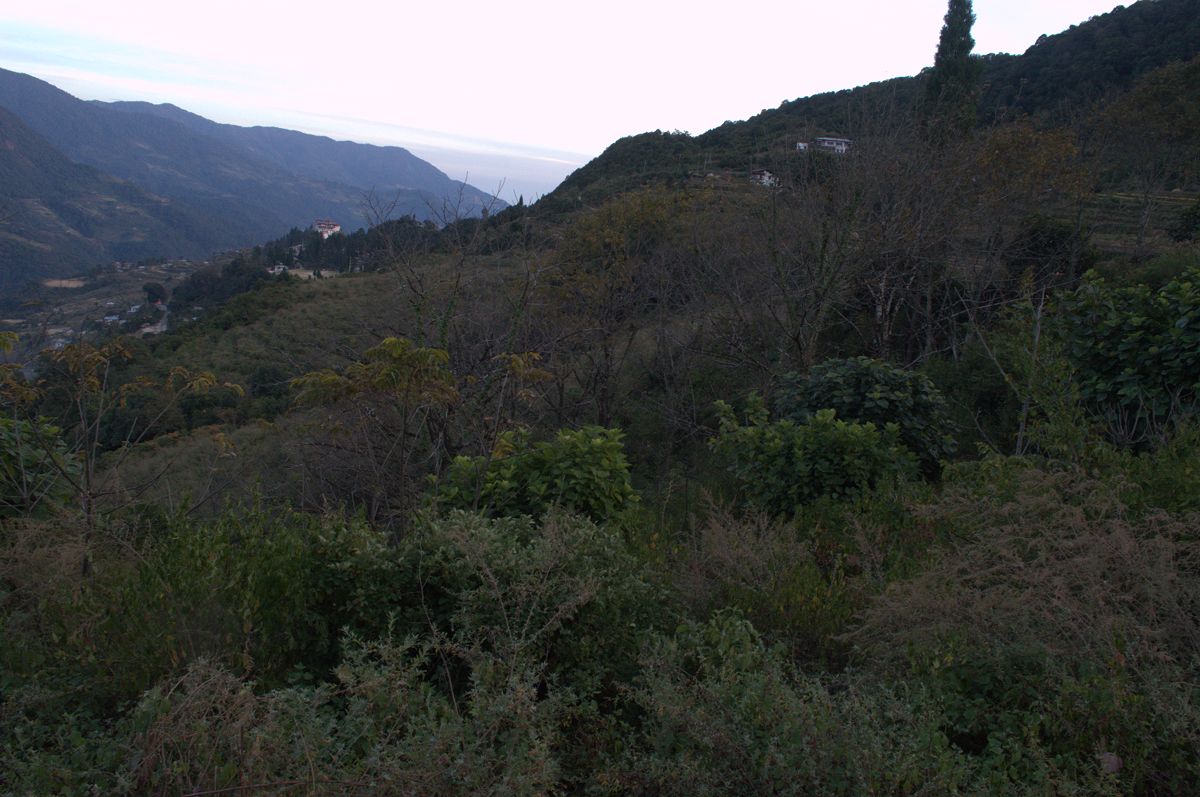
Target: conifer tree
[{"x": 951, "y": 86}]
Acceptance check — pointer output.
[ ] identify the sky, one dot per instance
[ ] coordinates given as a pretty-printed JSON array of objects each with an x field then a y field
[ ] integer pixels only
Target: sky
[{"x": 511, "y": 96}]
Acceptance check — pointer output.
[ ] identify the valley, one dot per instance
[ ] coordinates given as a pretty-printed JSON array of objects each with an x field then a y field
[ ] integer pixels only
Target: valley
[{"x": 57, "y": 312}]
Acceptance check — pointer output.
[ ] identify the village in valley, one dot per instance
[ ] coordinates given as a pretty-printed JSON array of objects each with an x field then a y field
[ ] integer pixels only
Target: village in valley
[{"x": 125, "y": 298}]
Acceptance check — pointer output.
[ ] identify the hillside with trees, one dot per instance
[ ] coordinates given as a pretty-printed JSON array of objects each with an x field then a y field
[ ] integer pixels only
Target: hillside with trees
[
  {"x": 877, "y": 477},
  {"x": 1058, "y": 80},
  {"x": 1091, "y": 60},
  {"x": 56, "y": 215}
]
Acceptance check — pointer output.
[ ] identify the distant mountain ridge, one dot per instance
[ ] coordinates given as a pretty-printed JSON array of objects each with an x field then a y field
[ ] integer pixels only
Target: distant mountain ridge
[
  {"x": 318, "y": 157},
  {"x": 235, "y": 186}
]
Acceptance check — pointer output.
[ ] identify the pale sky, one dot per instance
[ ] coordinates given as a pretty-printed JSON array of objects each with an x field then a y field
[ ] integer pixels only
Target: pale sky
[{"x": 515, "y": 93}]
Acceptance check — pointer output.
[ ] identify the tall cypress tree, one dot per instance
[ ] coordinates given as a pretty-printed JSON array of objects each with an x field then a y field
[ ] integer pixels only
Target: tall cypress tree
[{"x": 951, "y": 88}]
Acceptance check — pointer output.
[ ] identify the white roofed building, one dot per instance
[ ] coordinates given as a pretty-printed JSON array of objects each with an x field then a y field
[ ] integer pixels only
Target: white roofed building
[{"x": 326, "y": 227}]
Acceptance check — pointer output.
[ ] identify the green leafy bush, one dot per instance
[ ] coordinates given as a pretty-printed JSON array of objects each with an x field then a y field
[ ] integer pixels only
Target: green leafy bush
[
  {"x": 583, "y": 471},
  {"x": 783, "y": 465},
  {"x": 870, "y": 391},
  {"x": 1167, "y": 478},
  {"x": 1187, "y": 226},
  {"x": 1137, "y": 352},
  {"x": 563, "y": 593},
  {"x": 36, "y": 468},
  {"x": 262, "y": 594},
  {"x": 1154, "y": 272},
  {"x": 266, "y": 593},
  {"x": 499, "y": 673},
  {"x": 983, "y": 406}
]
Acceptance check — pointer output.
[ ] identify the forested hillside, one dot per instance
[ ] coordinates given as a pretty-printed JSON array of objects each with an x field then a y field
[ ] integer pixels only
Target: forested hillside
[
  {"x": 1093, "y": 59},
  {"x": 1059, "y": 79},
  {"x": 876, "y": 472},
  {"x": 56, "y": 215}
]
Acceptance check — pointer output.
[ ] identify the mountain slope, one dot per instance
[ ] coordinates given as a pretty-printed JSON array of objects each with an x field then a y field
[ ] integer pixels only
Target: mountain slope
[
  {"x": 243, "y": 187},
  {"x": 57, "y": 216},
  {"x": 252, "y": 199},
  {"x": 364, "y": 166},
  {"x": 1087, "y": 61}
]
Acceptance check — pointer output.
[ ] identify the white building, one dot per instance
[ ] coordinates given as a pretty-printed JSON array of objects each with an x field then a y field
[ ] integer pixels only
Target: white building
[
  {"x": 764, "y": 178},
  {"x": 839, "y": 146},
  {"x": 326, "y": 227}
]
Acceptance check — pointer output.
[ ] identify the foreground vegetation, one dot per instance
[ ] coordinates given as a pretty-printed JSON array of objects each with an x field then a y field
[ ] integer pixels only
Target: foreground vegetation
[{"x": 1029, "y": 626}]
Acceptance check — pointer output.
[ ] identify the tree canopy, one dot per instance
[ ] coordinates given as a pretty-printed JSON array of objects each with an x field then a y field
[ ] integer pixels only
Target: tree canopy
[{"x": 951, "y": 89}]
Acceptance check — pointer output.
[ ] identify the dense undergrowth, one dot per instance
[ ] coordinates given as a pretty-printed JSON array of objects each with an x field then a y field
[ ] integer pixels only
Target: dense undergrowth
[
  {"x": 826, "y": 621},
  {"x": 1027, "y": 627},
  {"x": 853, "y": 592}
]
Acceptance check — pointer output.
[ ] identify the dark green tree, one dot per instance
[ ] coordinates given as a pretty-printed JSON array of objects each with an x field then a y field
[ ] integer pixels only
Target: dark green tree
[
  {"x": 155, "y": 292},
  {"x": 863, "y": 390},
  {"x": 1187, "y": 226},
  {"x": 951, "y": 87}
]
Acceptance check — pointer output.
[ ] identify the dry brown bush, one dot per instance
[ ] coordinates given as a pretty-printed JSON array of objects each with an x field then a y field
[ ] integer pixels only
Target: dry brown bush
[
  {"x": 753, "y": 553},
  {"x": 211, "y": 731},
  {"x": 800, "y": 582},
  {"x": 40, "y": 557},
  {"x": 1056, "y": 565}
]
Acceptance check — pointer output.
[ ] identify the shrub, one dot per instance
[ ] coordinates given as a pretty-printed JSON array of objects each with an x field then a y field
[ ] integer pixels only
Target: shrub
[
  {"x": 263, "y": 593},
  {"x": 383, "y": 729},
  {"x": 562, "y": 590},
  {"x": 1048, "y": 250},
  {"x": 776, "y": 574},
  {"x": 498, "y": 675},
  {"x": 1058, "y": 632},
  {"x": 801, "y": 581},
  {"x": 1153, "y": 273},
  {"x": 1167, "y": 478},
  {"x": 984, "y": 407},
  {"x": 783, "y": 465},
  {"x": 724, "y": 714},
  {"x": 1187, "y": 226},
  {"x": 1137, "y": 352},
  {"x": 375, "y": 441},
  {"x": 583, "y": 471},
  {"x": 559, "y": 606},
  {"x": 863, "y": 390},
  {"x": 36, "y": 468}
]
